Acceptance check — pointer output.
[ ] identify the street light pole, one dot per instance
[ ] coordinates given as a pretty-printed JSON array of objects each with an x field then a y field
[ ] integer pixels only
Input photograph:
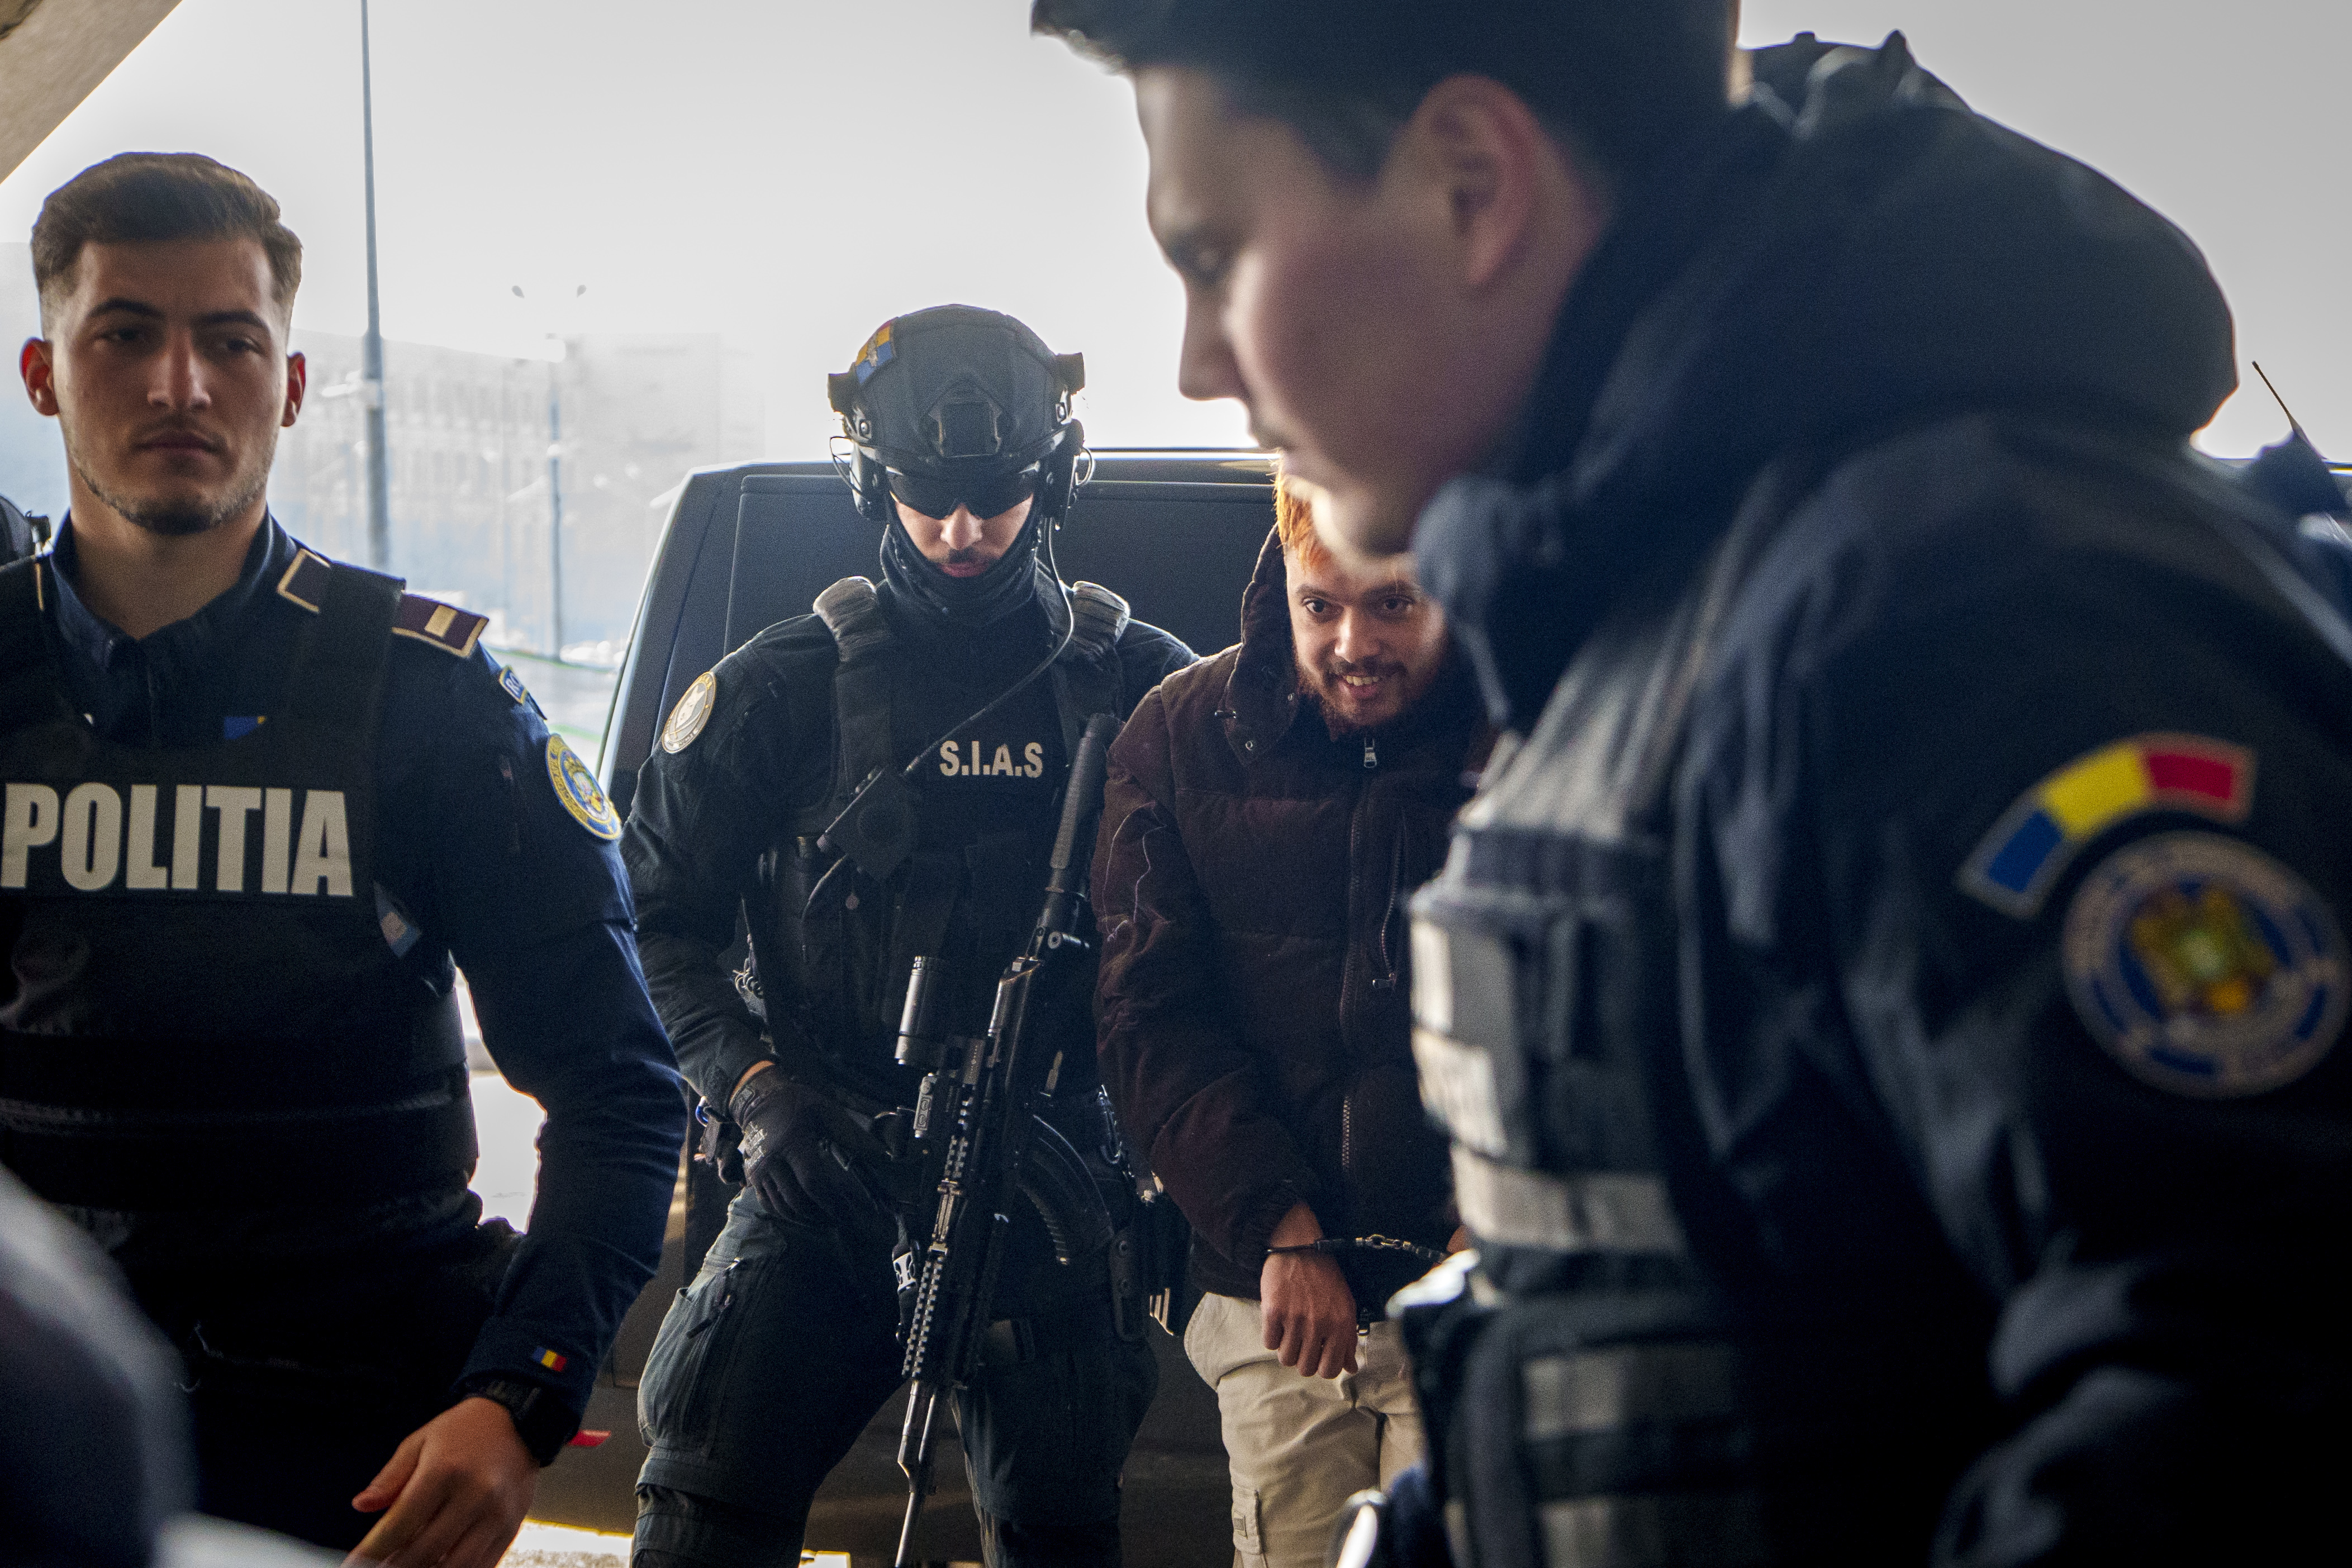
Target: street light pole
[
  {"x": 379, "y": 479},
  {"x": 554, "y": 464},
  {"x": 555, "y": 502}
]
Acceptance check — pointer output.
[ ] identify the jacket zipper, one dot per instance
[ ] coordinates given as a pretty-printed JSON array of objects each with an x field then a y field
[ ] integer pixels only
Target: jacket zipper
[
  {"x": 1347, "y": 965},
  {"x": 1371, "y": 757},
  {"x": 1389, "y": 910}
]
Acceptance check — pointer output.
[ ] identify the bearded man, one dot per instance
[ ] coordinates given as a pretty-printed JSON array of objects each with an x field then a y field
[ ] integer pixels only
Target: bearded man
[{"x": 1267, "y": 812}]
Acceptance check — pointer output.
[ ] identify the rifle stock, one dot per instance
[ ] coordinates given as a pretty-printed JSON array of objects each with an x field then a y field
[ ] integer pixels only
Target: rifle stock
[{"x": 982, "y": 1105}]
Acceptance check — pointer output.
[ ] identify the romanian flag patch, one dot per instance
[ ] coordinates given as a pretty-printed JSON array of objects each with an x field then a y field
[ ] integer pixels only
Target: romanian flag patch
[
  {"x": 2038, "y": 836},
  {"x": 878, "y": 351},
  {"x": 553, "y": 1361}
]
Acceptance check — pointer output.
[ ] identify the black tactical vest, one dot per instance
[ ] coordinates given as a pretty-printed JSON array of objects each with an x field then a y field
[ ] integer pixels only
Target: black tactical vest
[
  {"x": 208, "y": 1011},
  {"x": 844, "y": 965},
  {"x": 1585, "y": 1394}
]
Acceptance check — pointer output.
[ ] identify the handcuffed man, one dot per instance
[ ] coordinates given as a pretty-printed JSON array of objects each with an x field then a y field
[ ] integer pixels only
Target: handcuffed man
[{"x": 1267, "y": 813}]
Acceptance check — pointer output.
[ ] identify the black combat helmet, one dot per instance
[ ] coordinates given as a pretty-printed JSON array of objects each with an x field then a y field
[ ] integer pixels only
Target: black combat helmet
[{"x": 958, "y": 405}]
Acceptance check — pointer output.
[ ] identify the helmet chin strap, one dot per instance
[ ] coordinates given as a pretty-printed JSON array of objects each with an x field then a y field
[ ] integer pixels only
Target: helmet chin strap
[{"x": 1009, "y": 583}]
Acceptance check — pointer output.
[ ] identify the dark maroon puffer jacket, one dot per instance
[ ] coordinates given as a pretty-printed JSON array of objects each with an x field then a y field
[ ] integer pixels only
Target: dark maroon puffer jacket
[{"x": 1249, "y": 882}]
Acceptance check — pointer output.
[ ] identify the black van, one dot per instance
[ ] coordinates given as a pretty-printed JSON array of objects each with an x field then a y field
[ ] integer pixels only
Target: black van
[{"x": 1176, "y": 533}]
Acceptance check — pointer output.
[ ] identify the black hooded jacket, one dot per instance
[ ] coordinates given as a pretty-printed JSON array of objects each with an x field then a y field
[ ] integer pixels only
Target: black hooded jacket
[{"x": 2003, "y": 689}]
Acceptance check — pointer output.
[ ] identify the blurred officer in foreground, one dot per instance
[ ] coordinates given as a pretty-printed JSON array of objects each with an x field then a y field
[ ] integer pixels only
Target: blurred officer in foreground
[
  {"x": 255, "y": 802},
  {"x": 950, "y": 697},
  {"x": 1887, "y": 1004},
  {"x": 93, "y": 1435}
]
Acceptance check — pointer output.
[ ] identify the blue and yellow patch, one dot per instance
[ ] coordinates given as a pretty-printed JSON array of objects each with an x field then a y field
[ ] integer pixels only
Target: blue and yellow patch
[
  {"x": 2019, "y": 861},
  {"x": 2204, "y": 966},
  {"x": 878, "y": 351},
  {"x": 577, "y": 790},
  {"x": 511, "y": 683}
]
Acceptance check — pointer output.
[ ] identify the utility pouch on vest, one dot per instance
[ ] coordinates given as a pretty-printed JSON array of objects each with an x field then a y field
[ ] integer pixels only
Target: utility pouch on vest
[
  {"x": 1586, "y": 1405},
  {"x": 1602, "y": 1430}
]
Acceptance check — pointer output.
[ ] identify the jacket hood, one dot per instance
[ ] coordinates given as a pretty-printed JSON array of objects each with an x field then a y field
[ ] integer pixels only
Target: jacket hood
[
  {"x": 1808, "y": 277},
  {"x": 1262, "y": 699}
]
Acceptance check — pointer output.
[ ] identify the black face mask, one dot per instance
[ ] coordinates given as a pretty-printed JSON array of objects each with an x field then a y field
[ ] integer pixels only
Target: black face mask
[{"x": 1011, "y": 583}]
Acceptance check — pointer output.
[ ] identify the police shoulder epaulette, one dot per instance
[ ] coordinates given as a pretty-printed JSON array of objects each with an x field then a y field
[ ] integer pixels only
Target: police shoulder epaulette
[
  {"x": 445, "y": 626},
  {"x": 852, "y": 611},
  {"x": 452, "y": 630},
  {"x": 1100, "y": 616},
  {"x": 305, "y": 582}
]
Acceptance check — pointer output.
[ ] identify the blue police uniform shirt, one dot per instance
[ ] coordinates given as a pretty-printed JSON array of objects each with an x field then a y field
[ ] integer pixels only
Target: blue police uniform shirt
[{"x": 479, "y": 854}]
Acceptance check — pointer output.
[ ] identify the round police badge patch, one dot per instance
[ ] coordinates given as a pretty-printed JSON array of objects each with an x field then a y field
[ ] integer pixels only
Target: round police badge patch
[
  {"x": 2204, "y": 966},
  {"x": 692, "y": 713},
  {"x": 576, "y": 788}
]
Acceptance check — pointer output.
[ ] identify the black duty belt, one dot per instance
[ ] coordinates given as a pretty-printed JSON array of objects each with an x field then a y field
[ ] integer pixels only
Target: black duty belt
[{"x": 165, "y": 1158}]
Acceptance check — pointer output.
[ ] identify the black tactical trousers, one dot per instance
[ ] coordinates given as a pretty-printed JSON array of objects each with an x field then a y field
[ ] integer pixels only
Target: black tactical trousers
[
  {"x": 304, "y": 1378},
  {"x": 785, "y": 1346}
]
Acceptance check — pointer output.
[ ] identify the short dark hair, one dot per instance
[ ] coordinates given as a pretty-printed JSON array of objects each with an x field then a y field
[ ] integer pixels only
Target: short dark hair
[
  {"x": 137, "y": 198},
  {"x": 1617, "y": 82}
]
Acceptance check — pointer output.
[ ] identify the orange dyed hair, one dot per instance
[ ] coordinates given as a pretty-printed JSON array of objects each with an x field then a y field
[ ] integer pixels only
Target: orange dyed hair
[{"x": 1294, "y": 520}]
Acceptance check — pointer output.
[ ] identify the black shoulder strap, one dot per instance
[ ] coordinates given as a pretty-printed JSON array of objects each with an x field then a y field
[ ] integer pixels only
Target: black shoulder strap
[
  {"x": 339, "y": 666},
  {"x": 852, "y": 611},
  {"x": 29, "y": 684},
  {"x": 1087, "y": 677}
]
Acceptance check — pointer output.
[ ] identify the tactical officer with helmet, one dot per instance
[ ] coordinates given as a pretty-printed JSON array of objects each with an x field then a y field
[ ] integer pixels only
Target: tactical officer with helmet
[{"x": 853, "y": 789}]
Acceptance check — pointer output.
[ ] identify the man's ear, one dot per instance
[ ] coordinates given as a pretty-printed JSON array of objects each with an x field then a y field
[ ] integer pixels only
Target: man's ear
[
  {"x": 1490, "y": 158},
  {"x": 298, "y": 382},
  {"x": 40, "y": 378}
]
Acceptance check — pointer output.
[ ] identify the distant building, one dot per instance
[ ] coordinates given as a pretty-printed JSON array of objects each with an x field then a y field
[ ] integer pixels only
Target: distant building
[{"x": 468, "y": 439}]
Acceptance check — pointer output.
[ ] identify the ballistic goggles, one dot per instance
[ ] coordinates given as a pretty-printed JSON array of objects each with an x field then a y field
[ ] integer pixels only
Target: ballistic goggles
[{"x": 988, "y": 495}]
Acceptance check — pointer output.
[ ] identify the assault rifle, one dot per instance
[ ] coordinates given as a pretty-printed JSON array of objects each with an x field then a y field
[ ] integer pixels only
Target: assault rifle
[{"x": 978, "y": 1111}]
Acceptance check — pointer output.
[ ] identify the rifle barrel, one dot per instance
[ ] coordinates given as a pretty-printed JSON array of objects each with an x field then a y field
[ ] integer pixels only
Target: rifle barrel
[{"x": 1073, "y": 843}]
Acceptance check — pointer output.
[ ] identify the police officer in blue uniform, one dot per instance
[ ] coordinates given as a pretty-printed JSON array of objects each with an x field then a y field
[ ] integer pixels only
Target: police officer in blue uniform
[
  {"x": 256, "y": 803},
  {"x": 946, "y": 703},
  {"x": 1888, "y": 998}
]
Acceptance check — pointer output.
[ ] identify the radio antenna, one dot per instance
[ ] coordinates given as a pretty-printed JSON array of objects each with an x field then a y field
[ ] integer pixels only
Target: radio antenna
[{"x": 2292, "y": 422}]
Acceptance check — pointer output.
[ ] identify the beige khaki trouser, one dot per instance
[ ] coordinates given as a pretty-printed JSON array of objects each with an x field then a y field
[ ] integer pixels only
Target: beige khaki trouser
[{"x": 1299, "y": 1446}]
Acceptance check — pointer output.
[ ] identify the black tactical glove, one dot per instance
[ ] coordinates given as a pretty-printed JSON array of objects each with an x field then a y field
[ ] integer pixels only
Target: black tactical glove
[{"x": 807, "y": 1158}]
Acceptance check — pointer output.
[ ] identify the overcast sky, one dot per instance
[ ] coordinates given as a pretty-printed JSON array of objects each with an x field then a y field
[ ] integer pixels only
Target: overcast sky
[{"x": 793, "y": 172}]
